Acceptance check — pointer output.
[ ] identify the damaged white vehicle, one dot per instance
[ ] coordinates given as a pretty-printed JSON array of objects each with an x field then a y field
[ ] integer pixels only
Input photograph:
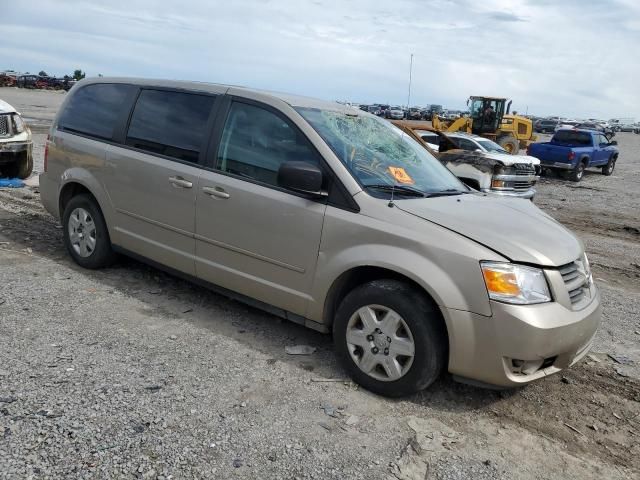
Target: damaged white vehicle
[
  {"x": 16, "y": 146},
  {"x": 479, "y": 162},
  {"x": 512, "y": 175}
]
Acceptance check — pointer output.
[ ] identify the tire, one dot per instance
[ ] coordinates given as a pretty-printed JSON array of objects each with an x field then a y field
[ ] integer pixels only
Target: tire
[
  {"x": 21, "y": 168},
  {"x": 578, "y": 172},
  {"x": 420, "y": 330},
  {"x": 97, "y": 251},
  {"x": 609, "y": 167},
  {"x": 510, "y": 144}
]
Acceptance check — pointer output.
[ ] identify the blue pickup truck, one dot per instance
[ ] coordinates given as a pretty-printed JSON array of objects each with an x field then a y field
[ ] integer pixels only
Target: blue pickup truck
[{"x": 574, "y": 150}]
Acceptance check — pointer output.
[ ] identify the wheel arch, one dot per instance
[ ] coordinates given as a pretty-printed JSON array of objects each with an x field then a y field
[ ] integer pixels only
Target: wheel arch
[
  {"x": 77, "y": 181},
  {"x": 70, "y": 190},
  {"x": 356, "y": 276}
]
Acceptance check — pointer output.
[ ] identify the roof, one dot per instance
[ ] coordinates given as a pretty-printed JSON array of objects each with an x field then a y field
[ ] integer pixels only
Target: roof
[
  {"x": 290, "y": 99},
  {"x": 488, "y": 98}
]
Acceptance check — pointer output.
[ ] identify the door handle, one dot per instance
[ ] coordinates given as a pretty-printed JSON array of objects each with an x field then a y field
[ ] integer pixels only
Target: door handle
[
  {"x": 215, "y": 192},
  {"x": 180, "y": 182}
]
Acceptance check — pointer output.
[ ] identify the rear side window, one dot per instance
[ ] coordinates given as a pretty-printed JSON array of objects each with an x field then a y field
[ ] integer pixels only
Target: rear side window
[
  {"x": 571, "y": 137},
  {"x": 95, "y": 109},
  {"x": 255, "y": 142},
  {"x": 170, "y": 123}
]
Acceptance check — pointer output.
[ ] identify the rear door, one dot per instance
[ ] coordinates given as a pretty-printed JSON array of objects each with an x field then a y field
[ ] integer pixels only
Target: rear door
[
  {"x": 152, "y": 179},
  {"x": 252, "y": 236}
]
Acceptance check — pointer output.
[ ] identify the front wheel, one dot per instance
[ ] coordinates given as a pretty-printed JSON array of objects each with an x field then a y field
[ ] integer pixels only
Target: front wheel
[
  {"x": 85, "y": 233},
  {"x": 609, "y": 167},
  {"x": 390, "y": 338}
]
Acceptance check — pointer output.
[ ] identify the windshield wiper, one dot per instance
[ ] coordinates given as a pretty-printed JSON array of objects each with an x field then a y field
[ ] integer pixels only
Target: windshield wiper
[
  {"x": 446, "y": 193},
  {"x": 397, "y": 189}
]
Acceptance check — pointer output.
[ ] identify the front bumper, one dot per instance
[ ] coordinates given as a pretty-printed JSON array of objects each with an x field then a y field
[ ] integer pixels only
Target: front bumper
[
  {"x": 8, "y": 150},
  {"x": 526, "y": 194},
  {"x": 493, "y": 350}
]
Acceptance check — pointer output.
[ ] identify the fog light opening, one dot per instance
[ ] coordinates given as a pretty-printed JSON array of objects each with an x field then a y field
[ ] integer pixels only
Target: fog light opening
[{"x": 529, "y": 367}]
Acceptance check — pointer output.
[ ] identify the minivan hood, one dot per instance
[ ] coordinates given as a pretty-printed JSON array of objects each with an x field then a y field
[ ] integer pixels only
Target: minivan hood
[{"x": 513, "y": 227}]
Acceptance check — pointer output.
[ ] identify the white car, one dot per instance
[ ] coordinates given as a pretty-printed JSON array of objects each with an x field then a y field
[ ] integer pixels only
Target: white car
[
  {"x": 474, "y": 142},
  {"x": 431, "y": 139},
  {"x": 515, "y": 176},
  {"x": 16, "y": 147}
]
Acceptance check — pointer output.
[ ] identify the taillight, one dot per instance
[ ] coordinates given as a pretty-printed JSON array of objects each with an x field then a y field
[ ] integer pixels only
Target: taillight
[
  {"x": 46, "y": 151},
  {"x": 571, "y": 155}
]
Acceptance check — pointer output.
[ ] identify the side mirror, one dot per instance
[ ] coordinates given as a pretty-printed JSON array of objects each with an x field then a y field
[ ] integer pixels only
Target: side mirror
[
  {"x": 303, "y": 177},
  {"x": 613, "y": 142},
  {"x": 477, "y": 150}
]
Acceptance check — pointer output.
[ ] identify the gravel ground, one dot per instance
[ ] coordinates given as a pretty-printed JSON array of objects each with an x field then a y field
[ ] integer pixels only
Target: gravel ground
[{"x": 132, "y": 373}]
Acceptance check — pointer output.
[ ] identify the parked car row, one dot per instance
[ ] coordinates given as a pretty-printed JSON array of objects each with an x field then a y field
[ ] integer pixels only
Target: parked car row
[
  {"x": 413, "y": 113},
  {"x": 551, "y": 125},
  {"x": 41, "y": 82},
  {"x": 36, "y": 81}
]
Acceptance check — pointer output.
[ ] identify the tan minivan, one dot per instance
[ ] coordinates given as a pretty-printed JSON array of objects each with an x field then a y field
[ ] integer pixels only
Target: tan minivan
[{"x": 327, "y": 216}]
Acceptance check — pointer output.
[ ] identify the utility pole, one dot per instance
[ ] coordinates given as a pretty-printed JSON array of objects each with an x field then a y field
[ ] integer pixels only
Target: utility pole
[{"x": 410, "y": 72}]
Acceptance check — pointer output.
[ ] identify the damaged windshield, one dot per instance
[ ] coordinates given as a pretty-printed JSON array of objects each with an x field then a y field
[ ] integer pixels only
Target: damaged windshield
[{"x": 378, "y": 154}]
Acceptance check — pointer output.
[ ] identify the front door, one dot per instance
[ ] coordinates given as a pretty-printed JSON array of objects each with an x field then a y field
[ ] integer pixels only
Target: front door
[
  {"x": 600, "y": 152},
  {"x": 252, "y": 236},
  {"x": 152, "y": 180}
]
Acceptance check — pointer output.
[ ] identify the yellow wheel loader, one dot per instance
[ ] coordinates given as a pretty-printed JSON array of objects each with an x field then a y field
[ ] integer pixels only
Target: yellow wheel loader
[{"x": 490, "y": 118}]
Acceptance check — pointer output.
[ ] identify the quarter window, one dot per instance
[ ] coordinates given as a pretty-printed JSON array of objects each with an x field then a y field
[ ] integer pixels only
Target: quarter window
[
  {"x": 170, "y": 123},
  {"x": 95, "y": 109},
  {"x": 255, "y": 142}
]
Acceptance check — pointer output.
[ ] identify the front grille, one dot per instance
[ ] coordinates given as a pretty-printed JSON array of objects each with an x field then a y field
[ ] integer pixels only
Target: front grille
[
  {"x": 4, "y": 125},
  {"x": 576, "y": 280},
  {"x": 522, "y": 185},
  {"x": 523, "y": 169}
]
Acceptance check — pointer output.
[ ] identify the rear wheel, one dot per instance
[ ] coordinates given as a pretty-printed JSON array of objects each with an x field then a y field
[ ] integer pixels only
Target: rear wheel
[
  {"x": 85, "y": 233},
  {"x": 390, "y": 337},
  {"x": 509, "y": 143},
  {"x": 609, "y": 167},
  {"x": 578, "y": 172}
]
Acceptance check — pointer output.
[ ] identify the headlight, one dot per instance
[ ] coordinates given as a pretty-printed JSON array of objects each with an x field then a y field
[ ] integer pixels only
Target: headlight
[
  {"x": 516, "y": 284},
  {"x": 587, "y": 268},
  {"x": 18, "y": 123}
]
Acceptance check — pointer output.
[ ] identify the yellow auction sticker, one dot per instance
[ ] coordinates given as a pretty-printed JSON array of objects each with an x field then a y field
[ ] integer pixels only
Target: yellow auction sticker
[{"x": 400, "y": 175}]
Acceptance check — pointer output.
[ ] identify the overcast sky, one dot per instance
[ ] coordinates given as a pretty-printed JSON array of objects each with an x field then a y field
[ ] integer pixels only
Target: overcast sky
[{"x": 571, "y": 57}]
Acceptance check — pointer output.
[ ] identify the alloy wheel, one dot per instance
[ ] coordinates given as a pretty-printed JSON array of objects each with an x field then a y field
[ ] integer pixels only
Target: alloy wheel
[
  {"x": 82, "y": 232},
  {"x": 380, "y": 342}
]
